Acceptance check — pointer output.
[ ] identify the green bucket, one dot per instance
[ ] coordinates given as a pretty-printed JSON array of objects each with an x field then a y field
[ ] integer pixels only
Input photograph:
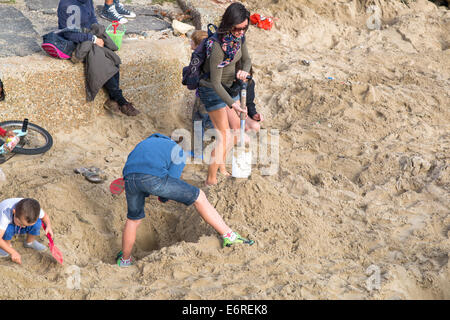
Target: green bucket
[{"x": 115, "y": 34}]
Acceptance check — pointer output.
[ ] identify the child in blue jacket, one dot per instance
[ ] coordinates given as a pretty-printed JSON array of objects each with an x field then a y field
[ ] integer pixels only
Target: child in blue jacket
[{"x": 154, "y": 167}]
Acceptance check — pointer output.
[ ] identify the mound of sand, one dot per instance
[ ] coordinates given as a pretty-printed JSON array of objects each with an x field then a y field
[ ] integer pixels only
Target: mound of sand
[{"x": 362, "y": 190}]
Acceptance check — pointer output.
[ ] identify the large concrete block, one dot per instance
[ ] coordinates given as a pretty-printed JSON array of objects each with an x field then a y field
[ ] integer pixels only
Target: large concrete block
[{"x": 51, "y": 92}]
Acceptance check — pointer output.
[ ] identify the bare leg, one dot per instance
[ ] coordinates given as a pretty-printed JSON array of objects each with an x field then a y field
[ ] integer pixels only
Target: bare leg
[
  {"x": 219, "y": 119},
  {"x": 109, "y": 2},
  {"x": 235, "y": 125},
  {"x": 210, "y": 214},
  {"x": 129, "y": 237}
]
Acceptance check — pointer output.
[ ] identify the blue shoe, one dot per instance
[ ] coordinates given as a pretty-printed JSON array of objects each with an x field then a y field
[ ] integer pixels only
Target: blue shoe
[
  {"x": 111, "y": 14},
  {"x": 122, "y": 11}
]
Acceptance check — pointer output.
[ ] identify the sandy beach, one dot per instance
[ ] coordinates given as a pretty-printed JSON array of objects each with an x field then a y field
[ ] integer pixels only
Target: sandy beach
[{"x": 357, "y": 208}]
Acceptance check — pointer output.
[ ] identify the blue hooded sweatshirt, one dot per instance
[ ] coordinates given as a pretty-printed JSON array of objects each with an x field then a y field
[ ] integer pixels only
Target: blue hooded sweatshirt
[
  {"x": 158, "y": 155},
  {"x": 79, "y": 13}
]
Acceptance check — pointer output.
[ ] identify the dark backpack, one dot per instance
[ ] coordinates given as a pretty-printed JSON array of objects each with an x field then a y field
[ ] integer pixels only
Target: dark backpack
[
  {"x": 57, "y": 46},
  {"x": 192, "y": 74}
]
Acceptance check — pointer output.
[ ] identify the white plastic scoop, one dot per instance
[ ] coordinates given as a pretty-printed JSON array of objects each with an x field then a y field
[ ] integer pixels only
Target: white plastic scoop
[{"x": 242, "y": 159}]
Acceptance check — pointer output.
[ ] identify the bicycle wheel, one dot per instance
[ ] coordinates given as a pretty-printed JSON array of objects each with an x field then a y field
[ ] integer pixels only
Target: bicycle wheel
[{"x": 37, "y": 140}]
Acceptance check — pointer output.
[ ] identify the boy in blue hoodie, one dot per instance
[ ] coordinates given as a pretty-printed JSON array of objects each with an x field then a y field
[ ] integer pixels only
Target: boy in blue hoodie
[{"x": 154, "y": 167}]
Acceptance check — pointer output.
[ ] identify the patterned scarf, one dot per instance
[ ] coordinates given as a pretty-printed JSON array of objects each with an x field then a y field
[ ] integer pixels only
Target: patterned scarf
[{"x": 230, "y": 46}]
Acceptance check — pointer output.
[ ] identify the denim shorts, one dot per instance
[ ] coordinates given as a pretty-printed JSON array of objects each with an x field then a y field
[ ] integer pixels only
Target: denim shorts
[
  {"x": 138, "y": 186},
  {"x": 12, "y": 230},
  {"x": 211, "y": 99}
]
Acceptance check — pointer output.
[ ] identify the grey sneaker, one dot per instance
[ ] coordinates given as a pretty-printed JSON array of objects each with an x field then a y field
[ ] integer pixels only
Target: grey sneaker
[
  {"x": 35, "y": 245},
  {"x": 3, "y": 254},
  {"x": 111, "y": 14},
  {"x": 122, "y": 11}
]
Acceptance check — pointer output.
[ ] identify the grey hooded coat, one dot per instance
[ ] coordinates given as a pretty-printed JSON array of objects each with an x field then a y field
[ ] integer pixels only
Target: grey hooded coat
[{"x": 101, "y": 63}]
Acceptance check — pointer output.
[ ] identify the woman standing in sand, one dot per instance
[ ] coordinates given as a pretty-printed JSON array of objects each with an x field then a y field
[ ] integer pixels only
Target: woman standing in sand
[{"x": 221, "y": 65}]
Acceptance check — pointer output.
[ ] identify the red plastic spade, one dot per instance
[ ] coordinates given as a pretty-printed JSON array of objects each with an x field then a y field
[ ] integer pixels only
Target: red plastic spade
[
  {"x": 117, "y": 186},
  {"x": 115, "y": 24},
  {"x": 53, "y": 249}
]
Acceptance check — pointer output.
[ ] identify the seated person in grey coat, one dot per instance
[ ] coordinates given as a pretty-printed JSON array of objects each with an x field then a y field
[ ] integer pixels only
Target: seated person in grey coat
[{"x": 81, "y": 15}]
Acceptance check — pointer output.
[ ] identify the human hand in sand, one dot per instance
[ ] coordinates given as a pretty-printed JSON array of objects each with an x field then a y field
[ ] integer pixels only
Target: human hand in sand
[{"x": 15, "y": 257}]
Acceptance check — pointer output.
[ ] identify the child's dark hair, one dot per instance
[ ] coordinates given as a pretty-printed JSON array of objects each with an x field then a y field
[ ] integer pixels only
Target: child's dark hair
[
  {"x": 28, "y": 210},
  {"x": 236, "y": 13}
]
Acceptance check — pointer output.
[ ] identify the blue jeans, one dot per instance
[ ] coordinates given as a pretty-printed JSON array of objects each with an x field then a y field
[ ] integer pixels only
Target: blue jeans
[
  {"x": 138, "y": 186},
  {"x": 12, "y": 230},
  {"x": 211, "y": 99},
  {"x": 114, "y": 91}
]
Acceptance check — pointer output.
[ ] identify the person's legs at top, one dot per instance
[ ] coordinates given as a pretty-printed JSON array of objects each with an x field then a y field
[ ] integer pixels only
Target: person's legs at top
[
  {"x": 109, "y": 12},
  {"x": 129, "y": 238},
  {"x": 216, "y": 109},
  {"x": 135, "y": 213},
  {"x": 115, "y": 94},
  {"x": 140, "y": 186},
  {"x": 180, "y": 191},
  {"x": 210, "y": 214},
  {"x": 250, "y": 124},
  {"x": 219, "y": 119},
  {"x": 212, "y": 217},
  {"x": 121, "y": 9},
  {"x": 114, "y": 91},
  {"x": 235, "y": 126}
]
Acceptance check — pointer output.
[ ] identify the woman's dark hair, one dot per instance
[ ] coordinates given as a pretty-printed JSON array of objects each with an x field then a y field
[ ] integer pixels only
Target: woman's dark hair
[{"x": 235, "y": 14}]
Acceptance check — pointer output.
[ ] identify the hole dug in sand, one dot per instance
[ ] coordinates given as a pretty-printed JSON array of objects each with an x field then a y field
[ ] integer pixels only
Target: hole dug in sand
[
  {"x": 147, "y": 239},
  {"x": 166, "y": 225}
]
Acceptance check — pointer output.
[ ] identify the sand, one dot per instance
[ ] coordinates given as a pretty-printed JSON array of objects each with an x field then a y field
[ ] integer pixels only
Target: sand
[{"x": 358, "y": 209}]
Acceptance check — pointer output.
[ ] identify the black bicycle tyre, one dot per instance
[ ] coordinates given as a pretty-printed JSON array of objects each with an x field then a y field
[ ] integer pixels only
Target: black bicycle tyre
[{"x": 31, "y": 127}]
